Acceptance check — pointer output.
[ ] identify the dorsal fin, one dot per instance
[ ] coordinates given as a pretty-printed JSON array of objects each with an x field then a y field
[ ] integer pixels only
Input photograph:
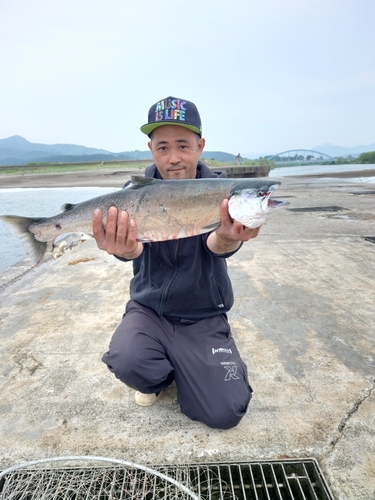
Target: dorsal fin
[
  {"x": 68, "y": 206},
  {"x": 139, "y": 181}
]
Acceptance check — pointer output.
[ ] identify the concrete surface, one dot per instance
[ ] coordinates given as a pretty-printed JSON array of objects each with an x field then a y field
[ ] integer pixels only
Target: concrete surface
[{"x": 303, "y": 320}]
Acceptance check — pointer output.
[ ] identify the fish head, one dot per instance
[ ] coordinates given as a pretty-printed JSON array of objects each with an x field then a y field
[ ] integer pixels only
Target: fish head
[{"x": 251, "y": 206}]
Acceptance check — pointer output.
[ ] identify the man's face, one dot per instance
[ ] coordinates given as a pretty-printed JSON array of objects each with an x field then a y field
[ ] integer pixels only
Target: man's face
[{"x": 176, "y": 151}]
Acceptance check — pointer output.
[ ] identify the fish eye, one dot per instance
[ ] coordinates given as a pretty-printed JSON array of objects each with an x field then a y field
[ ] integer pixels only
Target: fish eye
[{"x": 261, "y": 193}]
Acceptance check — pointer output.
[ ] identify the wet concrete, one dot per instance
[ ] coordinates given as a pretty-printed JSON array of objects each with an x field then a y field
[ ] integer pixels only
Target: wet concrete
[{"x": 303, "y": 320}]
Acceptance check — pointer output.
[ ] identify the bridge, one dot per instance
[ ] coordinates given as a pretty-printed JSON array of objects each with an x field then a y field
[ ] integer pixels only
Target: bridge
[{"x": 298, "y": 155}]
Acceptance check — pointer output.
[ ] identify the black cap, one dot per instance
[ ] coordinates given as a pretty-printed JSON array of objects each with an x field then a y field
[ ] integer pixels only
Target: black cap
[{"x": 173, "y": 111}]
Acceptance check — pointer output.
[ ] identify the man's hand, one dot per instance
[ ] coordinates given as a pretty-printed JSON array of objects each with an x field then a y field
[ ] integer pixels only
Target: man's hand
[
  {"x": 230, "y": 233},
  {"x": 119, "y": 236}
]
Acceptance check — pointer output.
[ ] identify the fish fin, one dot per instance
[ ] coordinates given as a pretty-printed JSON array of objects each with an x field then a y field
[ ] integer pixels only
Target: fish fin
[
  {"x": 213, "y": 225},
  {"x": 138, "y": 181},
  {"x": 20, "y": 226},
  {"x": 67, "y": 206}
]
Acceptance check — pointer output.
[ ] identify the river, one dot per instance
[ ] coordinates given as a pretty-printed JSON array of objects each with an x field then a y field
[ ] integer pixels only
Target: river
[{"x": 39, "y": 202}]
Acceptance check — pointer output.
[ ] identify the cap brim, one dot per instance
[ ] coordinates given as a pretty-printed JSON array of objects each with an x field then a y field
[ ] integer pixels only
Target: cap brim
[{"x": 150, "y": 127}]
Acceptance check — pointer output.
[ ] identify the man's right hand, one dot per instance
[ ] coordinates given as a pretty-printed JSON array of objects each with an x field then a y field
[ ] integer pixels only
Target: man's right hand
[{"x": 119, "y": 235}]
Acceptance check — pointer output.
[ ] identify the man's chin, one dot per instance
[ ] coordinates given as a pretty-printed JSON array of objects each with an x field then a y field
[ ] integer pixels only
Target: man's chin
[{"x": 178, "y": 173}]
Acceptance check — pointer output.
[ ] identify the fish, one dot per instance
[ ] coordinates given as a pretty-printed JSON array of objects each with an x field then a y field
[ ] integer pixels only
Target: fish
[{"x": 162, "y": 209}]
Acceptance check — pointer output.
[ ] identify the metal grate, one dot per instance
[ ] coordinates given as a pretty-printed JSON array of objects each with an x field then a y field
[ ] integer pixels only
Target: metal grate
[
  {"x": 266, "y": 480},
  {"x": 368, "y": 191},
  {"x": 369, "y": 238}
]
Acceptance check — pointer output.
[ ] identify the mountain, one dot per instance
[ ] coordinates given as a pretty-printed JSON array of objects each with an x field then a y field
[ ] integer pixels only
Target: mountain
[
  {"x": 81, "y": 158},
  {"x": 139, "y": 155},
  {"x": 332, "y": 150},
  {"x": 218, "y": 156},
  {"x": 255, "y": 156},
  {"x": 17, "y": 150},
  {"x": 20, "y": 150},
  {"x": 329, "y": 149}
]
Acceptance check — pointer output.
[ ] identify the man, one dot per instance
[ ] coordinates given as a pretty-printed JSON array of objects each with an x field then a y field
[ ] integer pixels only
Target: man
[{"x": 175, "y": 326}]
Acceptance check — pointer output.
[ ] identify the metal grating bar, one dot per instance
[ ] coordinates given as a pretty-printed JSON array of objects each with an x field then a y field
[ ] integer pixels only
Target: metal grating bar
[
  {"x": 253, "y": 484},
  {"x": 312, "y": 479},
  {"x": 264, "y": 483},
  {"x": 228, "y": 473},
  {"x": 286, "y": 483},
  {"x": 276, "y": 481},
  {"x": 264, "y": 480}
]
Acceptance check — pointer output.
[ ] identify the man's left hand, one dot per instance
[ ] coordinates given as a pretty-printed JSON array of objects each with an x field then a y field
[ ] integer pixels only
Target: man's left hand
[
  {"x": 231, "y": 230},
  {"x": 227, "y": 237}
]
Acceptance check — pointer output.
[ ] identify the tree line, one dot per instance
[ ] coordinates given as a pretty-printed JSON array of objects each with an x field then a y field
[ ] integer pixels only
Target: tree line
[{"x": 363, "y": 158}]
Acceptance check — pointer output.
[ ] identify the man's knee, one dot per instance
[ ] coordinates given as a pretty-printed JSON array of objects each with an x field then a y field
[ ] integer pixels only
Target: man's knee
[
  {"x": 121, "y": 366},
  {"x": 226, "y": 421},
  {"x": 224, "y": 418},
  {"x": 139, "y": 373}
]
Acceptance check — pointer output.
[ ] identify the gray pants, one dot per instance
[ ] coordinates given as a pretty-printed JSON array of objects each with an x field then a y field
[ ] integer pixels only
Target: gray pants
[{"x": 147, "y": 352}]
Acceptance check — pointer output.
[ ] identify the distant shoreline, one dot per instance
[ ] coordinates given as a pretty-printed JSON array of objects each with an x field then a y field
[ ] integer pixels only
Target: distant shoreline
[
  {"x": 80, "y": 178},
  {"x": 351, "y": 174},
  {"x": 116, "y": 178}
]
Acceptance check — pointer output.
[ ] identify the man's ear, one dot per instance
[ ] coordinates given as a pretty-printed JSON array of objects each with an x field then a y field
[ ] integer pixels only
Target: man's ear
[{"x": 201, "y": 144}]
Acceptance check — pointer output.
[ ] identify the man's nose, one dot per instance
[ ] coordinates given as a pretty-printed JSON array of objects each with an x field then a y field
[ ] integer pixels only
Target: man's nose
[{"x": 174, "y": 156}]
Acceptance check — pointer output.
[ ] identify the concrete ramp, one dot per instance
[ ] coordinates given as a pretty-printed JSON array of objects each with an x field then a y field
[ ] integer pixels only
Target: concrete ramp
[{"x": 303, "y": 320}]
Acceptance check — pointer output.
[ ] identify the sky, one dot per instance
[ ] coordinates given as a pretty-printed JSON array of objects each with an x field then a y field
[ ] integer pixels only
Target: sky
[{"x": 266, "y": 75}]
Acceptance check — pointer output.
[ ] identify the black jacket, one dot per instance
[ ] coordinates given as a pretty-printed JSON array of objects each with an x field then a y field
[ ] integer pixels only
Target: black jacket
[{"x": 182, "y": 278}]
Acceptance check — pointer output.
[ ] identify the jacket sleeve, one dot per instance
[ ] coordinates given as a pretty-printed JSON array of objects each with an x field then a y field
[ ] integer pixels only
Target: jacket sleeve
[{"x": 222, "y": 255}]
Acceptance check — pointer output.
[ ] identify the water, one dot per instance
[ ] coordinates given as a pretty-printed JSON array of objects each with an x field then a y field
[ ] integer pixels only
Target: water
[
  {"x": 45, "y": 202},
  {"x": 40, "y": 202},
  {"x": 318, "y": 169}
]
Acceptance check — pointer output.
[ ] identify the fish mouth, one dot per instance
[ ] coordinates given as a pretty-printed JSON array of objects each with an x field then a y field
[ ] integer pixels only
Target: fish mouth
[
  {"x": 271, "y": 203},
  {"x": 276, "y": 203}
]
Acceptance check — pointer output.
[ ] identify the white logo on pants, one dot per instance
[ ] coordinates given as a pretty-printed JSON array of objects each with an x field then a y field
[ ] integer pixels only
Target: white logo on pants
[
  {"x": 231, "y": 373},
  {"x": 228, "y": 351}
]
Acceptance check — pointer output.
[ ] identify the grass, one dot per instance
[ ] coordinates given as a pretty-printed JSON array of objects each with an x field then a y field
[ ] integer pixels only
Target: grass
[
  {"x": 53, "y": 169},
  {"x": 61, "y": 168}
]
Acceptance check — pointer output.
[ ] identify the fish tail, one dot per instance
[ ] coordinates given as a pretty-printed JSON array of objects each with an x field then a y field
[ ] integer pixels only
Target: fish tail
[{"x": 20, "y": 226}]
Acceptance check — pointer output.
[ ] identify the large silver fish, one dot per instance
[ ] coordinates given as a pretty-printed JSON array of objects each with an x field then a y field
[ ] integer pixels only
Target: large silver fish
[{"x": 163, "y": 210}]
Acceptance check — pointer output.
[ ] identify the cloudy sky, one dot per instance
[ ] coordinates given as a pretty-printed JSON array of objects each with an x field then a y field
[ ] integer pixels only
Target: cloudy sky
[{"x": 266, "y": 75}]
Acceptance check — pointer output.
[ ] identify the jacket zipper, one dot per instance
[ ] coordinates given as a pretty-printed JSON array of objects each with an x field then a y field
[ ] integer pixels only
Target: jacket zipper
[{"x": 171, "y": 279}]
